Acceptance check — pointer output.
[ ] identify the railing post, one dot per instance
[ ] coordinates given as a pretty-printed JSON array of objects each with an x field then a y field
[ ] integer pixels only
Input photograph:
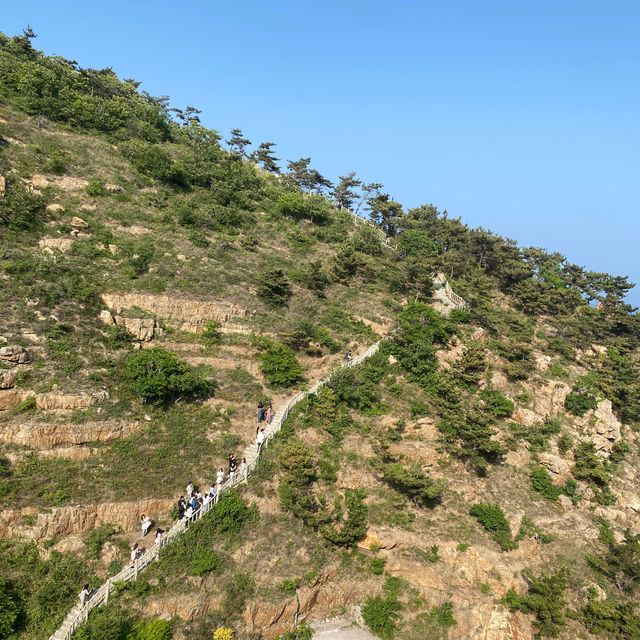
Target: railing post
[
  {"x": 106, "y": 598},
  {"x": 135, "y": 569}
]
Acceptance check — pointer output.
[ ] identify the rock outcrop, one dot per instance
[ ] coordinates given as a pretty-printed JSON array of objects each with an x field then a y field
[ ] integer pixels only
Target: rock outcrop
[
  {"x": 11, "y": 398},
  {"x": 142, "y": 329},
  {"x": 180, "y": 313},
  {"x": 62, "y": 521},
  {"x": 8, "y": 378},
  {"x": 14, "y": 354},
  {"x": 62, "y": 244},
  {"x": 602, "y": 426},
  {"x": 44, "y": 435},
  {"x": 49, "y": 401}
]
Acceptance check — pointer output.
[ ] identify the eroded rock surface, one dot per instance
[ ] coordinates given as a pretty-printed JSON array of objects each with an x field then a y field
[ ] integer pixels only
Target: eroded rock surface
[
  {"x": 15, "y": 354},
  {"x": 44, "y": 435},
  {"x": 62, "y": 521},
  {"x": 184, "y": 314}
]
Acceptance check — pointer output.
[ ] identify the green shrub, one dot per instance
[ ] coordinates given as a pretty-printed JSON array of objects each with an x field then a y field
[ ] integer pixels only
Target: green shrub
[
  {"x": 621, "y": 565},
  {"x": 95, "y": 539},
  {"x": 492, "y": 518},
  {"x": 153, "y": 161},
  {"x": 616, "y": 619},
  {"x": 95, "y": 188},
  {"x": 28, "y": 404},
  {"x": 579, "y": 403},
  {"x": 154, "y": 630},
  {"x": 290, "y": 586},
  {"x": 545, "y": 600},
  {"x": 203, "y": 561},
  {"x": 605, "y": 531},
  {"x": 496, "y": 403},
  {"x": 198, "y": 239},
  {"x": 20, "y": 208},
  {"x": 107, "y": 623},
  {"x": 10, "y": 609},
  {"x": 564, "y": 443},
  {"x": 590, "y": 468},
  {"x": 413, "y": 482},
  {"x": 349, "y": 386},
  {"x": 377, "y": 565},
  {"x": 211, "y": 334},
  {"x": 302, "y": 632},
  {"x": 291, "y": 205},
  {"x": 352, "y": 528},
  {"x": 542, "y": 483},
  {"x": 157, "y": 375},
  {"x": 280, "y": 366},
  {"x": 380, "y": 615},
  {"x": 619, "y": 451},
  {"x": 298, "y": 474},
  {"x": 421, "y": 332},
  {"x": 273, "y": 287},
  {"x": 117, "y": 337}
]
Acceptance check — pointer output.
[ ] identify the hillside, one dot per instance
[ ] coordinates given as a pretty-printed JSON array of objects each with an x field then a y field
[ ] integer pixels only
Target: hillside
[{"x": 476, "y": 477}]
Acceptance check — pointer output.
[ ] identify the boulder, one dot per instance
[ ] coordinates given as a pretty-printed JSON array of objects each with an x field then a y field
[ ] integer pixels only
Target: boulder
[
  {"x": 79, "y": 223},
  {"x": 113, "y": 188},
  {"x": 106, "y": 317},
  {"x": 543, "y": 362},
  {"x": 52, "y": 208},
  {"x": 142, "y": 329},
  {"x": 8, "y": 378},
  {"x": 69, "y": 183},
  {"x": 558, "y": 467},
  {"x": 3, "y": 186},
  {"x": 15, "y": 354}
]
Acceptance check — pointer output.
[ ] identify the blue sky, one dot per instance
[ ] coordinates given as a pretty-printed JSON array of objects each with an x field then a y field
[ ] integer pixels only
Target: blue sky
[{"x": 517, "y": 116}]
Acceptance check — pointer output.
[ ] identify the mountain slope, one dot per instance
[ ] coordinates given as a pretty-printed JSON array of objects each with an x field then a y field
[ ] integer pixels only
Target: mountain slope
[{"x": 156, "y": 287}]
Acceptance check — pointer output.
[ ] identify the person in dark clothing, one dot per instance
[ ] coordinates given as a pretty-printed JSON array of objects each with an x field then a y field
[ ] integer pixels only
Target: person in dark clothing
[
  {"x": 262, "y": 414},
  {"x": 182, "y": 507}
]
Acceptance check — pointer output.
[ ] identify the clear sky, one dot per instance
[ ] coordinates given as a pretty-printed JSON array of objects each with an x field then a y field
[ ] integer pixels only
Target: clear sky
[{"x": 520, "y": 116}]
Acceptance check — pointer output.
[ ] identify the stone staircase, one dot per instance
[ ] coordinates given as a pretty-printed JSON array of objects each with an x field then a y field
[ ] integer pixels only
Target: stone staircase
[{"x": 100, "y": 596}]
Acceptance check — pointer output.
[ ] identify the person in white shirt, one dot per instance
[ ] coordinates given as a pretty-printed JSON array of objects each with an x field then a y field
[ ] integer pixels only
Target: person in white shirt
[
  {"x": 84, "y": 594},
  {"x": 159, "y": 533},
  {"x": 189, "y": 512},
  {"x": 220, "y": 476},
  {"x": 260, "y": 440},
  {"x": 145, "y": 523},
  {"x": 134, "y": 553}
]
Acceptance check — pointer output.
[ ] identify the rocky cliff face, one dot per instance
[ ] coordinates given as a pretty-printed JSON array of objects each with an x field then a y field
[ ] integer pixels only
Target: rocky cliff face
[
  {"x": 65, "y": 521},
  {"x": 184, "y": 314}
]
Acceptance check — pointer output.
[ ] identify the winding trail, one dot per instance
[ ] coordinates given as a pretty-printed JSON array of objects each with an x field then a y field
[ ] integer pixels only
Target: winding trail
[{"x": 100, "y": 596}]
